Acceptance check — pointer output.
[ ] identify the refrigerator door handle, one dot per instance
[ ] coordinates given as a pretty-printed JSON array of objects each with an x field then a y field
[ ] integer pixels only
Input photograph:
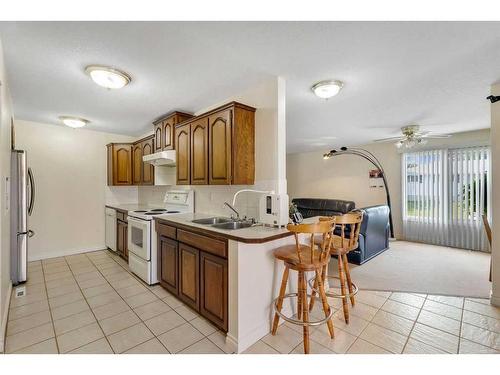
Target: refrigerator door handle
[
  {"x": 30, "y": 233},
  {"x": 32, "y": 191}
]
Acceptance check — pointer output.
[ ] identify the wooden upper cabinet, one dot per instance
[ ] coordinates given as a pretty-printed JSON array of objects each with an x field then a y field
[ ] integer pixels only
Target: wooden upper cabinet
[
  {"x": 199, "y": 152},
  {"x": 137, "y": 164},
  {"x": 219, "y": 152},
  {"x": 119, "y": 164},
  {"x": 148, "y": 170},
  {"x": 158, "y": 135},
  {"x": 183, "y": 153},
  {"x": 164, "y": 130},
  {"x": 168, "y": 133}
]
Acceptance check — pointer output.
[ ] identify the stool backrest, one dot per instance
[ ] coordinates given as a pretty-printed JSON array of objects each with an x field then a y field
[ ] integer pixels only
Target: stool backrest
[
  {"x": 323, "y": 227},
  {"x": 349, "y": 238}
]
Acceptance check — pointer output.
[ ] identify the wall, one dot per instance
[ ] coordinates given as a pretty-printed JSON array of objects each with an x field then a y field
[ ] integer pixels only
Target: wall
[
  {"x": 69, "y": 166},
  {"x": 346, "y": 177},
  {"x": 5, "y": 145},
  {"x": 495, "y": 196},
  {"x": 269, "y": 122}
]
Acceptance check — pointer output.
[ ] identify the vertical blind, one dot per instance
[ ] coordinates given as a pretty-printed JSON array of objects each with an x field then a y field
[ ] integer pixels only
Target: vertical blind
[{"x": 445, "y": 194}]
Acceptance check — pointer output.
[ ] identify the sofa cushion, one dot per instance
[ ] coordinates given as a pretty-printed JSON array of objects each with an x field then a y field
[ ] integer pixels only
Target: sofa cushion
[{"x": 310, "y": 207}]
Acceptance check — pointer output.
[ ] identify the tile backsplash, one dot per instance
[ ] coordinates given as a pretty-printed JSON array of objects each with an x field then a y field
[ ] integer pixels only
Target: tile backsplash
[{"x": 209, "y": 199}]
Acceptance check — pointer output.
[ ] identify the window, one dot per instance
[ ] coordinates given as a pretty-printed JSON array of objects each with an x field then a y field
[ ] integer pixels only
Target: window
[{"x": 445, "y": 193}]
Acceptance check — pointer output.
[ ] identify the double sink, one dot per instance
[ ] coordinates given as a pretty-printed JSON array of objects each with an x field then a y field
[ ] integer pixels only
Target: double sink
[{"x": 224, "y": 223}]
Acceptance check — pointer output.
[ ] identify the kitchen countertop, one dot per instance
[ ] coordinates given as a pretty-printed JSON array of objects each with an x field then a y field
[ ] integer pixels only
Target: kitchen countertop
[
  {"x": 254, "y": 234},
  {"x": 133, "y": 206}
]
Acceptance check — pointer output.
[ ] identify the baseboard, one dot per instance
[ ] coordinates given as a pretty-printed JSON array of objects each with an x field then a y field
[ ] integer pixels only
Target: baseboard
[
  {"x": 5, "y": 318},
  {"x": 495, "y": 301},
  {"x": 62, "y": 253}
]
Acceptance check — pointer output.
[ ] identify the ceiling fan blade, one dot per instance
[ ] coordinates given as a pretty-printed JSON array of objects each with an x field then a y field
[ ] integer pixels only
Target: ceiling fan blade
[
  {"x": 437, "y": 136},
  {"x": 391, "y": 139}
]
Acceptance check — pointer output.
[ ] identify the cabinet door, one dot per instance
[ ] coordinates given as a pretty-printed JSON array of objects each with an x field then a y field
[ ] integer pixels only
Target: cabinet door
[
  {"x": 137, "y": 164},
  {"x": 122, "y": 164},
  {"x": 125, "y": 242},
  {"x": 199, "y": 152},
  {"x": 168, "y": 264},
  {"x": 189, "y": 275},
  {"x": 168, "y": 133},
  {"x": 213, "y": 289},
  {"x": 158, "y": 136},
  {"x": 219, "y": 136},
  {"x": 121, "y": 240},
  {"x": 148, "y": 171},
  {"x": 183, "y": 153}
]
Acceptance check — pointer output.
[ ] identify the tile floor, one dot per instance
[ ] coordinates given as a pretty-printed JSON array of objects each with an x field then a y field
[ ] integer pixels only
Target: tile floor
[{"x": 90, "y": 303}]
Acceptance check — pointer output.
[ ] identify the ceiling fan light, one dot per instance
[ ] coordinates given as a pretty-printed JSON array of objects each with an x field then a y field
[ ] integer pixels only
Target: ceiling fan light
[
  {"x": 74, "y": 122},
  {"x": 108, "y": 77},
  {"x": 327, "y": 89}
]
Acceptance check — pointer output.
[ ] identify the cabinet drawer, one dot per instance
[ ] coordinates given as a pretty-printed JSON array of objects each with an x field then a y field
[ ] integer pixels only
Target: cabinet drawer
[
  {"x": 210, "y": 245},
  {"x": 166, "y": 230}
]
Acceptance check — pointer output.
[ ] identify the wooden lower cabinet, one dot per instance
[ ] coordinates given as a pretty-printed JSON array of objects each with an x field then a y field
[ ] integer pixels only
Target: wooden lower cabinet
[
  {"x": 122, "y": 238},
  {"x": 197, "y": 276},
  {"x": 213, "y": 289},
  {"x": 168, "y": 265},
  {"x": 189, "y": 275}
]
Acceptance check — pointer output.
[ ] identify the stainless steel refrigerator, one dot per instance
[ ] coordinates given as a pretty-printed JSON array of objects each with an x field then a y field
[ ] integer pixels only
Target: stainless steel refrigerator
[{"x": 22, "y": 200}]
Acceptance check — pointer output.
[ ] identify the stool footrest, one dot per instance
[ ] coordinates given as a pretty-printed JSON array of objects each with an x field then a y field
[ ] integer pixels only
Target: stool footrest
[
  {"x": 331, "y": 294},
  {"x": 297, "y": 321}
]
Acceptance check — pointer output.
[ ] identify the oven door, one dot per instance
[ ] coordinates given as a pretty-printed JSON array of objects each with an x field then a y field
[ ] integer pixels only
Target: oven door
[{"x": 139, "y": 237}]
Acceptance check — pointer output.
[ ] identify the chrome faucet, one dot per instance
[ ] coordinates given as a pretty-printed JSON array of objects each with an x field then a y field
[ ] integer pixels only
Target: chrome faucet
[{"x": 233, "y": 209}]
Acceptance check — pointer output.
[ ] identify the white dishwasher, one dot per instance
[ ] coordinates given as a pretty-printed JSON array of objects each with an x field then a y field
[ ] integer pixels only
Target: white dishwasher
[{"x": 111, "y": 228}]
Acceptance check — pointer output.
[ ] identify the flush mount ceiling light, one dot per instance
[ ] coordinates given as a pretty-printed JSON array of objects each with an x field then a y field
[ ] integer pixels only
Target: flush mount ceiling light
[
  {"x": 73, "y": 122},
  {"x": 327, "y": 89},
  {"x": 108, "y": 77}
]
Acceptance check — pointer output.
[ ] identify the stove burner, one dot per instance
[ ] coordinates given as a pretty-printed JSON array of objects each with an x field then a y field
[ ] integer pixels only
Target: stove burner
[
  {"x": 153, "y": 213},
  {"x": 173, "y": 212},
  {"x": 158, "y": 210},
  {"x": 140, "y": 211}
]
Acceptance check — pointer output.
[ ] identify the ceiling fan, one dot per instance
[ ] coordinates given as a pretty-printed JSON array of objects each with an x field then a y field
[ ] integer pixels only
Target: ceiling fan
[{"x": 412, "y": 136}]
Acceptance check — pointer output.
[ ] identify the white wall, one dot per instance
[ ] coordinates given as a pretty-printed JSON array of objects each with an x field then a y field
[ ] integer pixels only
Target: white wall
[
  {"x": 69, "y": 166},
  {"x": 346, "y": 177},
  {"x": 267, "y": 98},
  {"x": 5, "y": 146},
  {"x": 495, "y": 196}
]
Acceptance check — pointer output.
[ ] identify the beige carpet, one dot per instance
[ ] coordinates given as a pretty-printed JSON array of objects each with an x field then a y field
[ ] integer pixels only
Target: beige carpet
[{"x": 420, "y": 268}]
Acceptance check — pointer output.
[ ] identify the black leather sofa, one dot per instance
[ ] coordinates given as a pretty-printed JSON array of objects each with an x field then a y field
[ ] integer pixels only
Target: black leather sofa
[{"x": 374, "y": 232}]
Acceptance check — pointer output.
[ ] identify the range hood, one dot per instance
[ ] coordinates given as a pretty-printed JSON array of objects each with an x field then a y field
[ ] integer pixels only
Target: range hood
[{"x": 166, "y": 158}]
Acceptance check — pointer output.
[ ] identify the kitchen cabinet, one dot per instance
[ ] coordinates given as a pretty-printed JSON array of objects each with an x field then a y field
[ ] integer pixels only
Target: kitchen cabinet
[
  {"x": 164, "y": 130},
  {"x": 194, "y": 267},
  {"x": 148, "y": 171},
  {"x": 142, "y": 173},
  {"x": 229, "y": 132},
  {"x": 199, "y": 152},
  {"x": 137, "y": 164},
  {"x": 213, "y": 289},
  {"x": 189, "y": 290},
  {"x": 183, "y": 154},
  {"x": 122, "y": 238},
  {"x": 119, "y": 160},
  {"x": 168, "y": 264}
]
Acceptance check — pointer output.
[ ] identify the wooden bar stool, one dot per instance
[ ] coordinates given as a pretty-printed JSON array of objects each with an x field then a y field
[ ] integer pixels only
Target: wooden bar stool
[
  {"x": 345, "y": 239},
  {"x": 305, "y": 258}
]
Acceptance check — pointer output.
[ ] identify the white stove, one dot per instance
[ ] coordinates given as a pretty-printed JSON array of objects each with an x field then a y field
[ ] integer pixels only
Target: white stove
[{"x": 143, "y": 255}]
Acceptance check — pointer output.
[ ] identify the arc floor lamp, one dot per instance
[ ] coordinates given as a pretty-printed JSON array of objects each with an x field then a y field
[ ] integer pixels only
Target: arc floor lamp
[{"x": 365, "y": 154}]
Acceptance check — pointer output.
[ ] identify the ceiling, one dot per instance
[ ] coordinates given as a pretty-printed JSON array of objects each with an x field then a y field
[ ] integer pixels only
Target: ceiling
[{"x": 436, "y": 74}]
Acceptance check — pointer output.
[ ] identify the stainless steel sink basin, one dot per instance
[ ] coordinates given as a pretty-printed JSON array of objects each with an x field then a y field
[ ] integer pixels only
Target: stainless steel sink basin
[
  {"x": 213, "y": 220},
  {"x": 233, "y": 225}
]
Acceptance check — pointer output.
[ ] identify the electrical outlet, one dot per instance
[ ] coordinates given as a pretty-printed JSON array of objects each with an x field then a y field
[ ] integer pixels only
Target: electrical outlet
[{"x": 20, "y": 291}]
